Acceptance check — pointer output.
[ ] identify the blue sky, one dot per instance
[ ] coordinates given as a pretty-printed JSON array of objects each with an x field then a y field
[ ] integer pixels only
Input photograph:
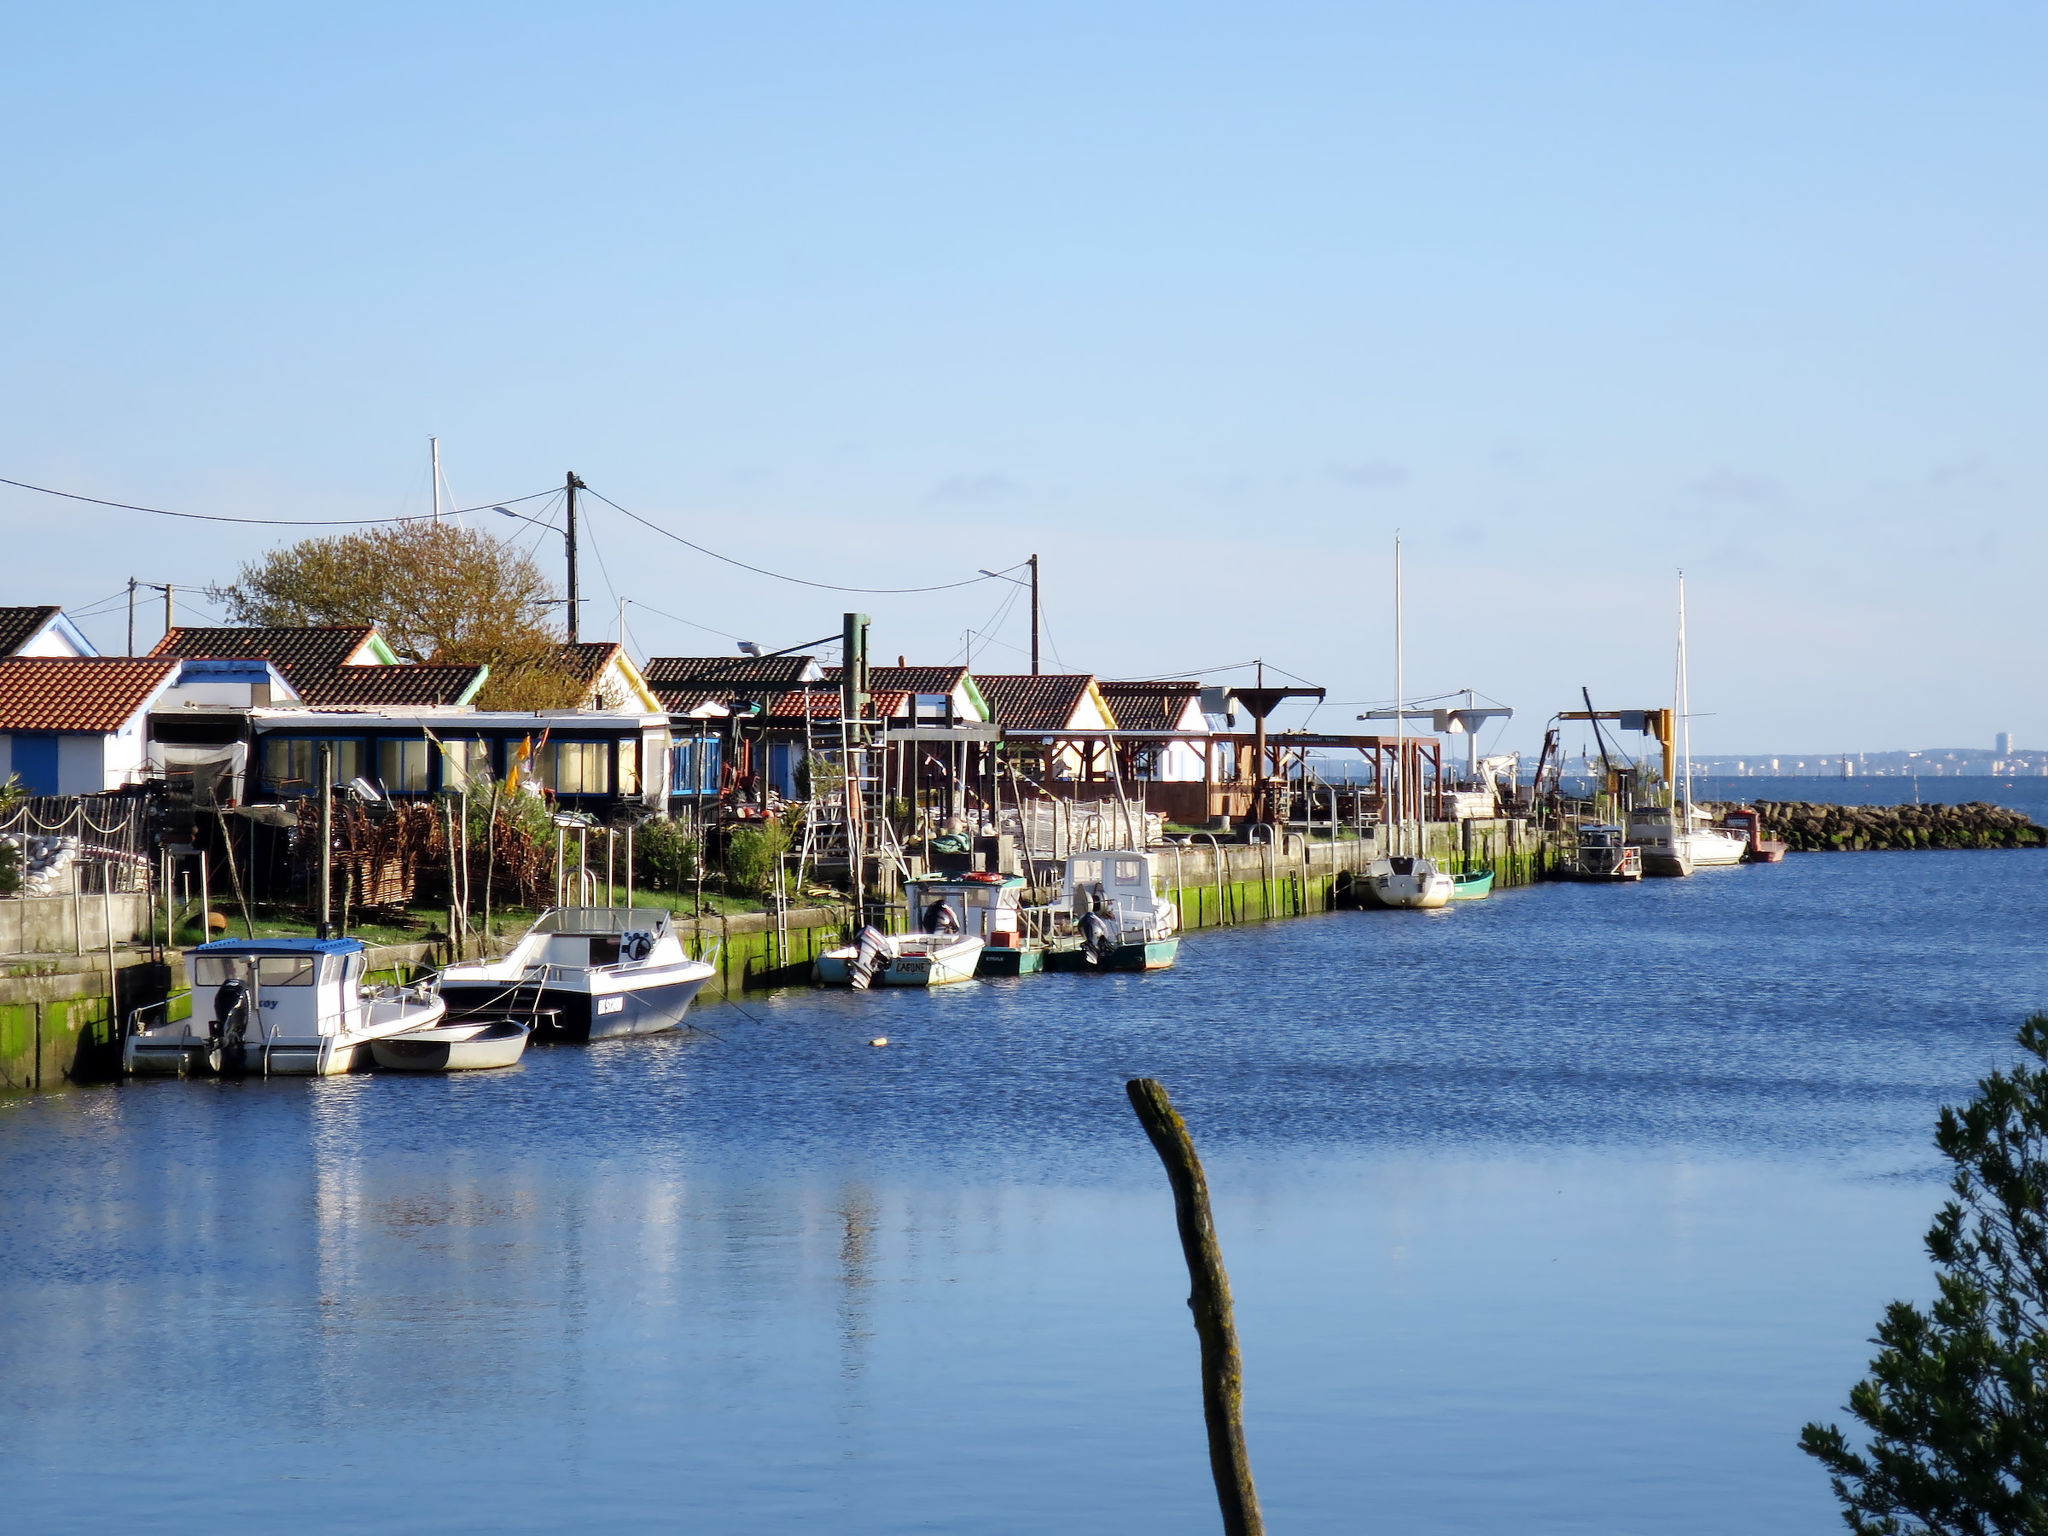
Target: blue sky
[{"x": 1198, "y": 302}]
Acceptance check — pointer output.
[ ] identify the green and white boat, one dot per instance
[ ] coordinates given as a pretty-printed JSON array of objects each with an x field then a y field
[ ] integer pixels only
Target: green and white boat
[
  {"x": 1471, "y": 887},
  {"x": 1117, "y": 910}
]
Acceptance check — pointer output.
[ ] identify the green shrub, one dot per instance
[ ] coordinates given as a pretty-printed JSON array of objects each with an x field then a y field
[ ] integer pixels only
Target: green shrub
[
  {"x": 664, "y": 856},
  {"x": 10, "y": 868},
  {"x": 750, "y": 855}
]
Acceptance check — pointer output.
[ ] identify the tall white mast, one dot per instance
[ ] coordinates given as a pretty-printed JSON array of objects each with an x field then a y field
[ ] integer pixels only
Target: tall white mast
[
  {"x": 434, "y": 452},
  {"x": 1684, "y": 709},
  {"x": 1400, "y": 715}
]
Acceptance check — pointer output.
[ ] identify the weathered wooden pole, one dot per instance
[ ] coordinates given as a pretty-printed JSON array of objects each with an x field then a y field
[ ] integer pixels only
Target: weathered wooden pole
[{"x": 1209, "y": 1300}]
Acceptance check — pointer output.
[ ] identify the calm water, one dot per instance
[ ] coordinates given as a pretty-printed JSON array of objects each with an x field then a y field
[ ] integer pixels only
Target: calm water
[{"x": 1559, "y": 1212}]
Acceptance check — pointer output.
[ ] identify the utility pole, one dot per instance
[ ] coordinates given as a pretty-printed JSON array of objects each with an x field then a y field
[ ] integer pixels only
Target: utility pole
[
  {"x": 326, "y": 839},
  {"x": 131, "y": 615},
  {"x": 1034, "y": 615},
  {"x": 170, "y": 608},
  {"x": 434, "y": 449},
  {"x": 572, "y": 487}
]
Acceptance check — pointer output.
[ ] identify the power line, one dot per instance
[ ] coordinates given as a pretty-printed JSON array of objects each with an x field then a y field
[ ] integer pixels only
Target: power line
[
  {"x": 826, "y": 586},
  {"x": 266, "y": 522}
]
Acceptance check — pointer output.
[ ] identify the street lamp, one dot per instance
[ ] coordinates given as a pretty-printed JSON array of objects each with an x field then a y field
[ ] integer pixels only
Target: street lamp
[{"x": 1033, "y": 585}]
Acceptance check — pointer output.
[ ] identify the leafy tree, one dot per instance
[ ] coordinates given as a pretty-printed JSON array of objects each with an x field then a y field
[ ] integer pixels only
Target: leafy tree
[
  {"x": 436, "y": 592},
  {"x": 1956, "y": 1405},
  {"x": 750, "y": 855}
]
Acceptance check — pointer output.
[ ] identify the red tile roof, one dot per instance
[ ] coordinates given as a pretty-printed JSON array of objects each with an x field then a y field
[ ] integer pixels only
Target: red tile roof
[
  {"x": 19, "y": 625},
  {"x": 1026, "y": 701},
  {"x": 909, "y": 679},
  {"x": 1151, "y": 706},
  {"x": 304, "y": 653},
  {"x": 410, "y": 687},
  {"x": 84, "y": 694},
  {"x": 730, "y": 673},
  {"x": 823, "y": 704},
  {"x": 586, "y": 660},
  {"x": 314, "y": 660}
]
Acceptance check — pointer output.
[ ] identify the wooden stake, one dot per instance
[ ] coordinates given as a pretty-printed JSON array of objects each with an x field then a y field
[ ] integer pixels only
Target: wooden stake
[{"x": 1222, "y": 1367}]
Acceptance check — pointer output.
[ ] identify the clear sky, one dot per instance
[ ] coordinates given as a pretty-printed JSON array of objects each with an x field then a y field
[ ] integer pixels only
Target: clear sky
[{"x": 1199, "y": 302}]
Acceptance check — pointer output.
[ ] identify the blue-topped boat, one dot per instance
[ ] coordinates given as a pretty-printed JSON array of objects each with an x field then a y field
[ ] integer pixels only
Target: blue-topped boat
[{"x": 274, "y": 1006}]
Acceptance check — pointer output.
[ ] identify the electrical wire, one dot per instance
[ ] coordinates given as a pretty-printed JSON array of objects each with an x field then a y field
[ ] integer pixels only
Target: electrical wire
[
  {"x": 634, "y": 602},
  {"x": 266, "y": 522},
  {"x": 826, "y": 586}
]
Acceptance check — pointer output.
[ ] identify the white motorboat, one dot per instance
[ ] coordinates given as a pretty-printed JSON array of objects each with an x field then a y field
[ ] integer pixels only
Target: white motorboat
[
  {"x": 463, "y": 1045},
  {"x": 1656, "y": 831},
  {"x": 274, "y": 1006},
  {"x": 1408, "y": 881},
  {"x": 584, "y": 973},
  {"x": 901, "y": 960}
]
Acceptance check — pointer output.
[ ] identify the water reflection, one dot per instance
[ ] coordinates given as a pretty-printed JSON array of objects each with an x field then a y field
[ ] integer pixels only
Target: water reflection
[{"x": 1560, "y": 1214}]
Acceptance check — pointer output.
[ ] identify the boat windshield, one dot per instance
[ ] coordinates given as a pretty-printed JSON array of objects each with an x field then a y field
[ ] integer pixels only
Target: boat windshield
[{"x": 603, "y": 920}]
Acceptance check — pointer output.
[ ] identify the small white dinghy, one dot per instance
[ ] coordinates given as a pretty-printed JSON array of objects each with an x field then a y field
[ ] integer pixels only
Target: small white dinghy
[{"x": 467, "y": 1045}]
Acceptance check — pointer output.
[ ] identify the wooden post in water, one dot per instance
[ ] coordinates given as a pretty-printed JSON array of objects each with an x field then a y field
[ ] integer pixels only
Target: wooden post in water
[{"x": 1209, "y": 1300}]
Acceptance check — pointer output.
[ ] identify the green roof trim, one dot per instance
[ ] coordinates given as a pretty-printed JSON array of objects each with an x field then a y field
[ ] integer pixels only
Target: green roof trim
[
  {"x": 384, "y": 654},
  {"x": 483, "y": 675}
]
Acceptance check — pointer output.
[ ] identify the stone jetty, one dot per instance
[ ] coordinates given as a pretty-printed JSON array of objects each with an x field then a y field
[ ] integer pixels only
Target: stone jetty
[{"x": 1808, "y": 827}]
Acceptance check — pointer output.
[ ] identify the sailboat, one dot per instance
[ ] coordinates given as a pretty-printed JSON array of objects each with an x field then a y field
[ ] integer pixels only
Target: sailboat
[
  {"x": 1677, "y": 839},
  {"x": 1402, "y": 879}
]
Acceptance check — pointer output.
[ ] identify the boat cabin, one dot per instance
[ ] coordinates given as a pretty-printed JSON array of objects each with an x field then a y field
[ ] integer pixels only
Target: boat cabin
[
  {"x": 982, "y": 906},
  {"x": 584, "y": 938},
  {"x": 299, "y": 989},
  {"x": 1123, "y": 883}
]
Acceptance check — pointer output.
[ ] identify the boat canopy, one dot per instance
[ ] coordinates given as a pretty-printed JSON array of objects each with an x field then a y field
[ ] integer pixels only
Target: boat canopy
[{"x": 279, "y": 946}]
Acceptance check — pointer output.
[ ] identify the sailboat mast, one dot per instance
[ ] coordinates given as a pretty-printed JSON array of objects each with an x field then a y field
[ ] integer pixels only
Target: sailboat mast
[
  {"x": 434, "y": 475},
  {"x": 1400, "y": 715},
  {"x": 1684, "y": 707}
]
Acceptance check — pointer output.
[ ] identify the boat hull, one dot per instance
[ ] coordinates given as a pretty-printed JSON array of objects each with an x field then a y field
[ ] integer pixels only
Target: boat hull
[
  {"x": 1472, "y": 887},
  {"x": 453, "y": 1048},
  {"x": 937, "y": 967},
  {"x": 1148, "y": 955},
  {"x": 1010, "y": 962},
  {"x": 1415, "y": 893},
  {"x": 574, "y": 1015}
]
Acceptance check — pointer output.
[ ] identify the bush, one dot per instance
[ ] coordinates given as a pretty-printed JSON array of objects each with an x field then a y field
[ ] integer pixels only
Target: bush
[
  {"x": 750, "y": 855},
  {"x": 10, "y": 867},
  {"x": 664, "y": 856},
  {"x": 1955, "y": 1409}
]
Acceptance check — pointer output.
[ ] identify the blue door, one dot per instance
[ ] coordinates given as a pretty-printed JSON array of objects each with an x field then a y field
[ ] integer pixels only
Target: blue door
[{"x": 35, "y": 759}]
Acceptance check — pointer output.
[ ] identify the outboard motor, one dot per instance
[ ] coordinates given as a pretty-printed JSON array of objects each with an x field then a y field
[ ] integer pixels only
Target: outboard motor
[
  {"x": 867, "y": 958},
  {"x": 226, "y": 1052},
  {"x": 1097, "y": 941}
]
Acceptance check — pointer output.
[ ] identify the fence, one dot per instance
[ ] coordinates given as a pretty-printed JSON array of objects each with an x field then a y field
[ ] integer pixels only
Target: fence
[{"x": 70, "y": 845}]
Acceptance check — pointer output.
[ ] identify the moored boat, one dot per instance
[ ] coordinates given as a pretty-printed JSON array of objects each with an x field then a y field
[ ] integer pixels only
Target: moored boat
[
  {"x": 1602, "y": 852},
  {"x": 1472, "y": 886},
  {"x": 1745, "y": 823},
  {"x": 900, "y": 960},
  {"x": 585, "y": 973},
  {"x": 1114, "y": 905},
  {"x": 467, "y": 1045},
  {"x": 274, "y": 1007},
  {"x": 1408, "y": 881}
]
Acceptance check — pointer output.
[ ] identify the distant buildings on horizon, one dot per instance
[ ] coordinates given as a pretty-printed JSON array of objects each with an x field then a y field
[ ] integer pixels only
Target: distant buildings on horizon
[{"x": 2001, "y": 761}]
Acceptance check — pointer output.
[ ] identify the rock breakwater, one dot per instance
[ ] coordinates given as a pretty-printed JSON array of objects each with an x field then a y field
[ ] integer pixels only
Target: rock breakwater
[{"x": 1807, "y": 827}]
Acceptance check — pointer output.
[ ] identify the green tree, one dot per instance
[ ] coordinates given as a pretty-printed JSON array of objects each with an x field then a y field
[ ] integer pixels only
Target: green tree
[
  {"x": 436, "y": 592},
  {"x": 1956, "y": 1403},
  {"x": 750, "y": 855}
]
